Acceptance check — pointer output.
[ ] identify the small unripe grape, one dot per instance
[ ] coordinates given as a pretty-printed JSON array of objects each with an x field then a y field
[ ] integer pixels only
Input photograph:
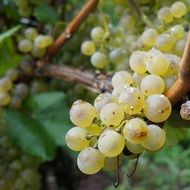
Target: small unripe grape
[
  {"x": 82, "y": 113},
  {"x": 97, "y": 34},
  {"x": 178, "y": 9},
  {"x": 134, "y": 148},
  {"x": 30, "y": 33},
  {"x": 25, "y": 46},
  {"x": 135, "y": 130},
  {"x": 155, "y": 139},
  {"x": 88, "y": 48},
  {"x": 112, "y": 114},
  {"x": 177, "y": 31},
  {"x": 165, "y": 15},
  {"x": 157, "y": 108},
  {"x": 116, "y": 56},
  {"x": 99, "y": 60},
  {"x": 90, "y": 161},
  {"x": 4, "y": 99},
  {"x": 111, "y": 143},
  {"x": 5, "y": 84},
  {"x": 76, "y": 139}
]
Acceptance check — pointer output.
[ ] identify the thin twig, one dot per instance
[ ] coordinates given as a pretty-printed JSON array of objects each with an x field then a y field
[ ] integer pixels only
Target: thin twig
[
  {"x": 135, "y": 167},
  {"x": 116, "y": 184}
]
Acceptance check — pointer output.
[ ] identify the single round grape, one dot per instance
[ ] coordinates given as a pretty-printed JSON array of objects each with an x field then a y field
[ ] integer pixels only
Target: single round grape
[
  {"x": 12, "y": 74},
  {"x": 157, "y": 108},
  {"x": 132, "y": 100},
  {"x": 137, "y": 78},
  {"x": 152, "y": 84},
  {"x": 135, "y": 130},
  {"x": 76, "y": 139},
  {"x": 165, "y": 42},
  {"x": 97, "y": 34},
  {"x": 37, "y": 52},
  {"x": 25, "y": 46},
  {"x": 116, "y": 56},
  {"x": 112, "y": 114},
  {"x": 178, "y": 9},
  {"x": 5, "y": 84},
  {"x": 25, "y": 11},
  {"x": 122, "y": 78},
  {"x": 165, "y": 15},
  {"x": 4, "y": 99},
  {"x": 177, "y": 31},
  {"x": 30, "y": 33},
  {"x": 149, "y": 37},
  {"x": 42, "y": 41},
  {"x": 156, "y": 62},
  {"x": 99, "y": 60},
  {"x": 110, "y": 163},
  {"x": 169, "y": 81},
  {"x": 21, "y": 90},
  {"x": 180, "y": 46},
  {"x": 102, "y": 100},
  {"x": 111, "y": 143},
  {"x": 88, "y": 48},
  {"x": 155, "y": 139},
  {"x": 137, "y": 62},
  {"x": 134, "y": 148},
  {"x": 90, "y": 161},
  {"x": 49, "y": 40},
  {"x": 82, "y": 113}
]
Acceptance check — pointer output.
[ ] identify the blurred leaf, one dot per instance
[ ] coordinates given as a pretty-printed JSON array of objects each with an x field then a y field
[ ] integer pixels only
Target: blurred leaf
[{"x": 45, "y": 13}]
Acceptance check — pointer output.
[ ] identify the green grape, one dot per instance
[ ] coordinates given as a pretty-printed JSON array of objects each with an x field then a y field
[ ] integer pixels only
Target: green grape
[
  {"x": 97, "y": 34},
  {"x": 158, "y": 108},
  {"x": 111, "y": 143},
  {"x": 99, "y": 60},
  {"x": 25, "y": 11},
  {"x": 134, "y": 148},
  {"x": 155, "y": 139},
  {"x": 177, "y": 31},
  {"x": 76, "y": 139},
  {"x": 127, "y": 22},
  {"x": 132, "y": 100},
  {"x": 135, "y": 130},
  {"x": 90, "y": 160},
  {"x": 49, "y": 40},
  {"x": 25, "y": 46},
  {"x": 5, "y": 84},
  {"x": 42, "y": 41},
  {"x": 136, "y": 61},
  {"x": 88, "y": 48},
  {"x": 152, "y": 84},
  {"x": 156, "y": 62},
  {"x": 110, "y": 163},
  {"x": 21, "y": 91},
  {"x": 37, "y": 52},
  {"x": 149, "y": 37},
  {"x": 137, "y": 78},
  {"x": 122, "y": 78},
  {"x": 30, "y": 33},
  {"x": 4, "y": 99},
  {"x": 169, "y": 81},
  {"x": 116, "y": 56},
  {"x": 165, "y": 15},
  {"x": 12, "y": 74},
  {"x": 82, "y": 113},
  {"x": 112, "y": 114},
  {"x": 180, "y": 46},
  {"x": 178, "y": 9}
]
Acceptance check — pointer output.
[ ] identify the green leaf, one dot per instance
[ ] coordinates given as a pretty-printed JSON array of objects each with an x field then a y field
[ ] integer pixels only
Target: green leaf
[
  {"x": 9, "y": 33},
  {"x": 45, "y": 13}
]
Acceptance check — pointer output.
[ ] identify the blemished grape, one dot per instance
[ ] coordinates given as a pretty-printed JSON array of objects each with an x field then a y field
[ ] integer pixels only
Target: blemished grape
[
  {"x": 156, "y": 62},
  {"x": 111, "y": 143},
  {"x": 152, "y": 84},
  {"x": 137, "y": 62},
  {"x": 165, "y": 15},
  {"x": 30, "y": 33},
  {"x": 178, "y": 9},
  {"x": 112, "y": 114},
  {"x": 157, "y": 108},
  {"x": 177, "y": 31},
  {"x": 132, "y": 100},
  {"x": 99, "y": 60},
  {"x": 122, "y": 78},
  {"x": 4, "y": 99},
  {"x": 25, "y": 46},
  {"x": 82, "y": 113},
  {"x": 88, "y": 48},
  {"x": 116, "y": 56},
  {"x": 155, "y": 139},
  {"x": 185, "y": 110},
  {"x": 110, "y": 163},
  {"x": 149, "y": 37},
  {"x": 97, "y": 34},
  {"x": 134, "y": 148},
  {"x": 5, "y": 84},
  {"x": 135, "y": 130},
  {"x": 76, "y": 139},
  {"x": 90, "y": 160}
]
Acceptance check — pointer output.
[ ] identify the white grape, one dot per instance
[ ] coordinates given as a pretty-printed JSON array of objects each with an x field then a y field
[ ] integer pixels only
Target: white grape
[
  {"x": 25, "y": 46},
  {"x": 165, "y": 15},
  {"x": 177, "y": 31},
  {"x": 97, "y": 34},
  {"x": 30, "y": 33},
  {"x": 99, "y": 60},
  {"x": 134, "y": 148},
  {"x": 88, "y": 48},
  {"x": 116, "y": 56},
  {"x": 178, "y": 9}
]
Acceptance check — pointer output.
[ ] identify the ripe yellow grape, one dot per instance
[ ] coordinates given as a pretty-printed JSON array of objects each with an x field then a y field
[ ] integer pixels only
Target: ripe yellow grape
[
  {"x": 178, "y": 9},
  {"x": 177, "y": 31},
  {"x": 180, "y": 46},
  {"x": 135, "y": 130},
  {"x": 99, "y": 60},
  {"x": 97, "y": 34},
  {"x": 111, "y": 143},
  {"x": 25, "y": 46},
  {"x": 88, "y": 48},
  {"x": 4, "y": 99},
  {"x": 30, "y": 33},
  {"x": 165, "y": 15},
  {"x": 169, "y": 81},
  {"x": 90, "y": 161}
]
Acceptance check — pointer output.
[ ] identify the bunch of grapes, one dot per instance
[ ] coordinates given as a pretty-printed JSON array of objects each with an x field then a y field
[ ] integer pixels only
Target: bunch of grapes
[
  {"x": 34, "y": 43},
  {"x": 18, "y": 171}
]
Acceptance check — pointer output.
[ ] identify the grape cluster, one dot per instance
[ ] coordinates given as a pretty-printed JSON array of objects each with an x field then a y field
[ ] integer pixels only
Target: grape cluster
[
  {"x": 34, "y": 43},
  {"x": 18, "y": 171}
]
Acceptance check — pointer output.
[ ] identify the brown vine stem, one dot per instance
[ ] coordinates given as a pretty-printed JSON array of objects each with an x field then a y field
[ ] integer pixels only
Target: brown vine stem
[
  {"x": 71, "y": 28},
  {"x": 182, "y": 85}
]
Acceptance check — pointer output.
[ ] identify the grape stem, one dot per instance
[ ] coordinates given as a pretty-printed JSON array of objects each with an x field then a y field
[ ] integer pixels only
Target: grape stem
[
  {"x": 71, "y": 28},
  {"x": 181, "y": 87},
  {"x": 135, "y": 167}
]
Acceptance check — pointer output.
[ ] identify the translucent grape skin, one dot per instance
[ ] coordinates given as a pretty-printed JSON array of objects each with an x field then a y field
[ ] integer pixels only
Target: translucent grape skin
[
  {"x": 90, "y": 161},
  {"x": 157, "y": 108},
  {"x": 112, "y": 114},
  {"x": 99, "y": 60},
  {"x": 178, "y": 9},
  {"x": 149, "y": 37},
  {"x": 82, "y": 113},
  {"x": 111, "y": 143},
  {"x": 97, "y": 34},
  {"x": 76, "y": 139},
  {"x": 135, "y": 130},
  {"x": 88, "y": 48},
  {"x": 155, "y": 139},
  {"x": 165, "y": 15},
  {"x": 116, "y": 56}
]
